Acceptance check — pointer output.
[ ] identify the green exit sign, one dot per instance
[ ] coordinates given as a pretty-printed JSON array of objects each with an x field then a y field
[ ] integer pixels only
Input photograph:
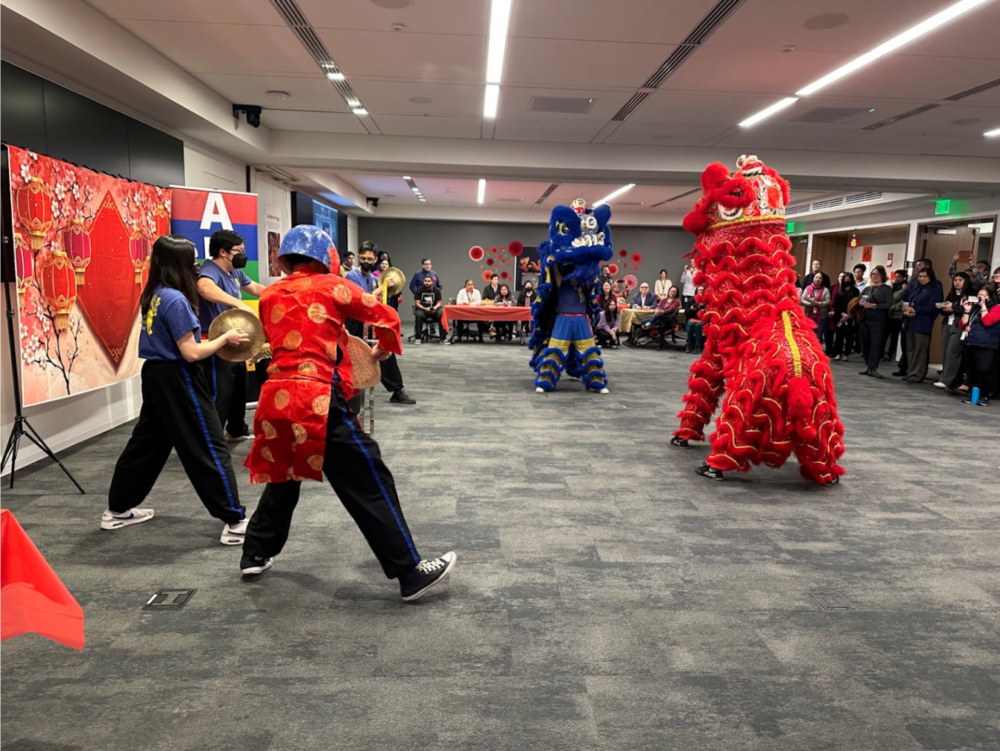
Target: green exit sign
[
  {"x": 943, "y": 206},
  {"x": 789, "y": 226}
]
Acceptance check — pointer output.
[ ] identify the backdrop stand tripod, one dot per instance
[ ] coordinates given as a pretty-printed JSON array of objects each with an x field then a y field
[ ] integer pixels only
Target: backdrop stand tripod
[{"x": 21, "y": 425}]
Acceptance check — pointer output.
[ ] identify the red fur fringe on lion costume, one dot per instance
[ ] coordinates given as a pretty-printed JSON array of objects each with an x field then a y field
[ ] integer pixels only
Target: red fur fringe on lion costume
[{"x": 761, "y": 355}]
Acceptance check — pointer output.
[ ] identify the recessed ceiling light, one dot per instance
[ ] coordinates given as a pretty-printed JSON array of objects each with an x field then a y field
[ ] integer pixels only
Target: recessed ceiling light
[
  {"x": 612, "y": 196},
  {"x": 407, "y": 177},
  {"x": 491, "y": 101},
  {"x": 415, "y": 189},
  {"x": 497, "y": 44},
  {"x": 827, "y": 21},
  {"x": 420, "y": 100},
  {"x": 392, "y": 4},
  {"x": 359, "y": 110},
  {"x": 992, "y": 133},
  {"x": 481, "y": 192},
  {"x": 776, "y": 107},
  {"x": 279, "y": 96},
  {"x": 398, "y": 27},
  {"x": 335, "y": 75}
]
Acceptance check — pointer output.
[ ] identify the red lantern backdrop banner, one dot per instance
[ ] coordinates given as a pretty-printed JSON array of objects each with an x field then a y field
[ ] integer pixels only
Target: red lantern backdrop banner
[{"x": 82, "y": 246}]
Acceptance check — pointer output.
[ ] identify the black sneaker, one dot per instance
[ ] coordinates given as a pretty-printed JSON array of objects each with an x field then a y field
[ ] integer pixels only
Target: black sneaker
[
  {"x": 253, "y": 566},
  {"x": 710, "y": 472},
  {"x": 680, "y": 443},
  {"x": 415, "y": 583},
  {"x": 833, "y": 481},
  {"x": 401, "y": 397}
]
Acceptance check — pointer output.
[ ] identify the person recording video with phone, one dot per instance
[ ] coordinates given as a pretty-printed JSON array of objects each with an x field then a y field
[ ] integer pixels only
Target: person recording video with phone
[{"x": 980, "y": 327}]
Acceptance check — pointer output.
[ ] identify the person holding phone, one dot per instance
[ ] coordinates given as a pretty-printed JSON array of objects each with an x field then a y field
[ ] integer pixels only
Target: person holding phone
[
  {"x": 919, "y": 311},
  {"x": 687, "y": 284},
  {"x": 980, "y": 326}
]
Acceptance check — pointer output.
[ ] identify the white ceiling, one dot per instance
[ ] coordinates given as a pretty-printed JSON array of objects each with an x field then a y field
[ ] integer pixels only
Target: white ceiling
[{"x": 424, "y": 85}]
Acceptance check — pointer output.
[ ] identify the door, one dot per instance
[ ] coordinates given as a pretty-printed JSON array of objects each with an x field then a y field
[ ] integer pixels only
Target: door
[{"x": 831, "y": 250}]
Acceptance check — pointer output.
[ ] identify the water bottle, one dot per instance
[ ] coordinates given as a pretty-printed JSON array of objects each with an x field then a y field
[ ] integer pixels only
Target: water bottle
[{"x": 975, "y": 395}]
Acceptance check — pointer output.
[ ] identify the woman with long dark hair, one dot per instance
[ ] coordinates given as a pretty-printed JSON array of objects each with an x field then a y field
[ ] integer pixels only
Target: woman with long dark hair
[
  {"x": 843, "y": 333},
  {"x": 607, "y": 325},
  {"x": 980, "y": 325},
  {"x": 504, "y": 299},
  {"x": 919, "y": 311},
  {"x": 177, "y": 409},
  {"x": 876, "y": 299}
]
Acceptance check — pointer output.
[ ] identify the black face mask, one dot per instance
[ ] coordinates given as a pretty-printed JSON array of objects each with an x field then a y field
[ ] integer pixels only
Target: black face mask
[
  {"x": 367, "y": 266},
  {"x": 239, "y": 261}
]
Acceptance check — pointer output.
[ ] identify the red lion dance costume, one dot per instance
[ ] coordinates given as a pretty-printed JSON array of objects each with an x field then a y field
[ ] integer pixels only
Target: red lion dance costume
[{"x": 760, "y": 348}]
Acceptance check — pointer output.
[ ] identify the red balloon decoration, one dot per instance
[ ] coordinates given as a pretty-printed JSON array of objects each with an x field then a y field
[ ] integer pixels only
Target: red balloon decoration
[
  {"x": 487, "y": 275},
  {"x": 623, "y": 252},
  {"x": 637, "y": 258},
  {"x": 34, "y": 209},
  {"x": 612, "y": 269},
  {"x": 58, "y": 282},
  {"x": 76, "y": 242},
  {"x": 489, "y": 261},
  {"x": 493, "y": 249},
  {"x": 516, "y": 248},
  {"x": 138, "y": 250},
  {"x": 504, "y": 275},
  {"x": 476, "y": 253}
]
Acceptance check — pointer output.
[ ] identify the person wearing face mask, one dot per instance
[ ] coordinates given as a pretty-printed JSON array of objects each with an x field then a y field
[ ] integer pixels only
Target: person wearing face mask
[
  {"x": 220, "y": 283},
  {"x": 525, "y": 299}
]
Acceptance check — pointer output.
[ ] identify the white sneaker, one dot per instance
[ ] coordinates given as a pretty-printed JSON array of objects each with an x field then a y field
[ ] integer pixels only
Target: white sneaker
[
  {"x": 234, "y": 534},
  {"x": 539, "y": 390},
  {"x": 940, "y": 385},
  {"x": 135, "y": 515},
  {"x": 604, "y": 391}
]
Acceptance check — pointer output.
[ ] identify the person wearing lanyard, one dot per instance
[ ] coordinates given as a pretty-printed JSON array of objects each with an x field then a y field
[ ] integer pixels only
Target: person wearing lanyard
[
  {"x": 177, "y": 409},
  {"x": 220, "y": 283}
]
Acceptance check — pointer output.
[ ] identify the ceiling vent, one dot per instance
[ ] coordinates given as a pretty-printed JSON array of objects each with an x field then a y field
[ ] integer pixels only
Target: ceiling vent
[
  {"x": 970, "y": 92},
  {"x": 510, "y": 200},
  {"x": 638, "y": 98},
  {"x": 828, "y": 203},
  {"x": 546, "y": 194},
  {"x": 858, "y": 198},
  {"x": 903, "y": 116},
  {"x": 563, "y": 105},
  {"x": 800, "y": 209},
  {"x": 628, "y": 203},
  {"x": 831, "y": 115}
]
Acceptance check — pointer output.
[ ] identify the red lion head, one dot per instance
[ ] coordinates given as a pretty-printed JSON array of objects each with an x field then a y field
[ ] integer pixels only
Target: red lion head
[{"x": 754, "y": 193}]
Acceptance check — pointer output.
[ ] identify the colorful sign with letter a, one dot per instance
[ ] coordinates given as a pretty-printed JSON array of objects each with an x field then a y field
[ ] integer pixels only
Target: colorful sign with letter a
[{"x": 197, "y": 213}]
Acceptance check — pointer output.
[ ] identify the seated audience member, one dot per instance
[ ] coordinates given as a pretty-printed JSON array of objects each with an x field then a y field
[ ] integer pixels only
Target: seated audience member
[
  {"x": 417, "y": 281},
  {"x": 953, "y": 353},
  {"x": 605, "y": 294},
  {"x": 469, "y": 295},
  {"x": 525, "y": 300},
  {"x": 643, "y": 300},
  {"x": 844, "y": 329},
  {"x": 981, "y": 321},
  {"x": 490, "y": 290},
  {"x": 664, "y": 318},
  {"x": 428, "y": 308},
  {"x": 662, "y": 286},
  {"x": 977, "y": 272},
  {"x": 859, "y": 276},
  {"x": 816, "y": 304},
  {"x": 919, "y": 311},
  {"x": 895, "y": 314},
  {"x": 607, "y": 325},
  {"x": 695, "y": 337},
  {"x": 618, "y": 291},
  {"x": 504, "y": 329}
]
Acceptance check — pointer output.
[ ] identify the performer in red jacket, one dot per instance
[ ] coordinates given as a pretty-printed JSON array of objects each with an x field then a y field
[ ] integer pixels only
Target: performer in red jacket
[{"x": 304, "y": 428}]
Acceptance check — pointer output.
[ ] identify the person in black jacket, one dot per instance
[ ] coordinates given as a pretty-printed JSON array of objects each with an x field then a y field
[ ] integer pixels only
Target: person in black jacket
[
  {"x": 843, "y": 337},
  {"x": 951, "y": 343},
  {"x": 692, "y": 316},
  {"x": 876, "y": 299},
  {"x": 981, "y": 328},
  {"x": 525, "y": 299}
]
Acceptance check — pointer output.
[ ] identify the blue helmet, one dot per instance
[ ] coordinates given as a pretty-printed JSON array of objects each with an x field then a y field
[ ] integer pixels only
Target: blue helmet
[{"x": 310, "y": 241}]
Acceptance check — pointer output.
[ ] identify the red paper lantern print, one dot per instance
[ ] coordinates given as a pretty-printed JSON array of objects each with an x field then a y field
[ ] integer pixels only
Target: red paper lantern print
[
  {"x": 24, "y": 265},
  {"x": 623, "y": 253},
  {"x": 516, "y": 248},
  {"x": 487, "y": 275},
  {"x": 34, "y": 209},
  {"x": 58, "y": 283},
  {"x": 637, "y": 258},
  {"x": 161, "y": 221},
  {"x": 138, "y": 250},
  {"x": 612, "y": 269},
  {"x": 476, "y": 253},
  {"x": 76, "y": 243}
]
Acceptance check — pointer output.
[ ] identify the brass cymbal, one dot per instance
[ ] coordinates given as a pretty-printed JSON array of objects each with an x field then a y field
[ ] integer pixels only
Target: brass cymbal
[
  {"x": 394, "y": 278},
  {"x": 238, "y": 319}
]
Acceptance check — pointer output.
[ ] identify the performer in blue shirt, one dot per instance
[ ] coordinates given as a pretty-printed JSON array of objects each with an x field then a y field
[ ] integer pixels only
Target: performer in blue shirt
[
  {"x": 220, "y": 283},
  {"x": 392, "y": 379},
  {"x": 177, "y": 409}
]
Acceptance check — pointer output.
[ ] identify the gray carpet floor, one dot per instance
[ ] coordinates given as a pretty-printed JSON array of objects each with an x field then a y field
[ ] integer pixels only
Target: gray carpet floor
[{"x": 605, "y": 596}]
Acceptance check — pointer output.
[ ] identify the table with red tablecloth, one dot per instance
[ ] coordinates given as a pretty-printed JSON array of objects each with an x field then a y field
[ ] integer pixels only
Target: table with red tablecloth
[
  {"x": 485, "y": 313},
  {"x": 32, "y": 597}
]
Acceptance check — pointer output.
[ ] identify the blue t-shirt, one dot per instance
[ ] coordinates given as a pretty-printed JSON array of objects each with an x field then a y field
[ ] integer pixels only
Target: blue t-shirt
[
  {"x": 572, "y": 300},
  {"x": 231, "y": 284},
  {"x": 168, "y": 319},
  {"x": 367, "y": 283}
]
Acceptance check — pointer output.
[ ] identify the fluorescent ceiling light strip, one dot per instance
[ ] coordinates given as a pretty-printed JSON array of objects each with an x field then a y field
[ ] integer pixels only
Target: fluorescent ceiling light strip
[
  {"x": 895, "y": 43},
  {"x": 613, "y": 196},
  {"x": 763, "y": 114},
  {"x": 335, "y": 75},
  {"x": 491, "y": 101},
  {"x": 497, "y": 46},
  {"x": 481, "y": 195},
  {"x": 992, "y": 133}
]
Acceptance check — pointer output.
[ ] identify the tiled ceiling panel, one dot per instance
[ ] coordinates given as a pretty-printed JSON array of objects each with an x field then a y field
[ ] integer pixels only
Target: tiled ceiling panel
[
  {"x": 314, "y": 122},
  {"x": 889, "y": 143},
  {"x": 436, "y": 127},
  {"x": 567, "y": 64},
  {"x": 307, "y": 92},
  {"x": 547, "y": 130},
  {"x": 397, "y": 97},
  {"x": 434, "y": 17},
  {"x": 215, "y": 12},
  {"x": 413, "y": 57}
]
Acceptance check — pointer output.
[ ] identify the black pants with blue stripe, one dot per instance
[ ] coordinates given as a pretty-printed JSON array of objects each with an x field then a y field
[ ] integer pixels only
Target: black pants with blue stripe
[
  {"x": 177, "y": 413},
  {"x": 353, "y": 465}
]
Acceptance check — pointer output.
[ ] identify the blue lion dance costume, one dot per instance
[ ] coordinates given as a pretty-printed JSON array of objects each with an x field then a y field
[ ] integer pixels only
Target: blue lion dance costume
[{"x": 565, "y": 311}]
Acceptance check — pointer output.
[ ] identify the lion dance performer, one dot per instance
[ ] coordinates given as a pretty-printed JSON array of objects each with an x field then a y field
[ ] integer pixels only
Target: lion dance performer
[
  {"x": 304, "y": 428},
  {"x": 760, "y": 348},
  {"x": 565, "y": 308}
]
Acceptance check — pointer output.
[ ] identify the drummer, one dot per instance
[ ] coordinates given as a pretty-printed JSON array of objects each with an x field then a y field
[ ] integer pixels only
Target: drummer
[
  {"x": 177, "y": 410},
  {"x": 220, "y": 282}
]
